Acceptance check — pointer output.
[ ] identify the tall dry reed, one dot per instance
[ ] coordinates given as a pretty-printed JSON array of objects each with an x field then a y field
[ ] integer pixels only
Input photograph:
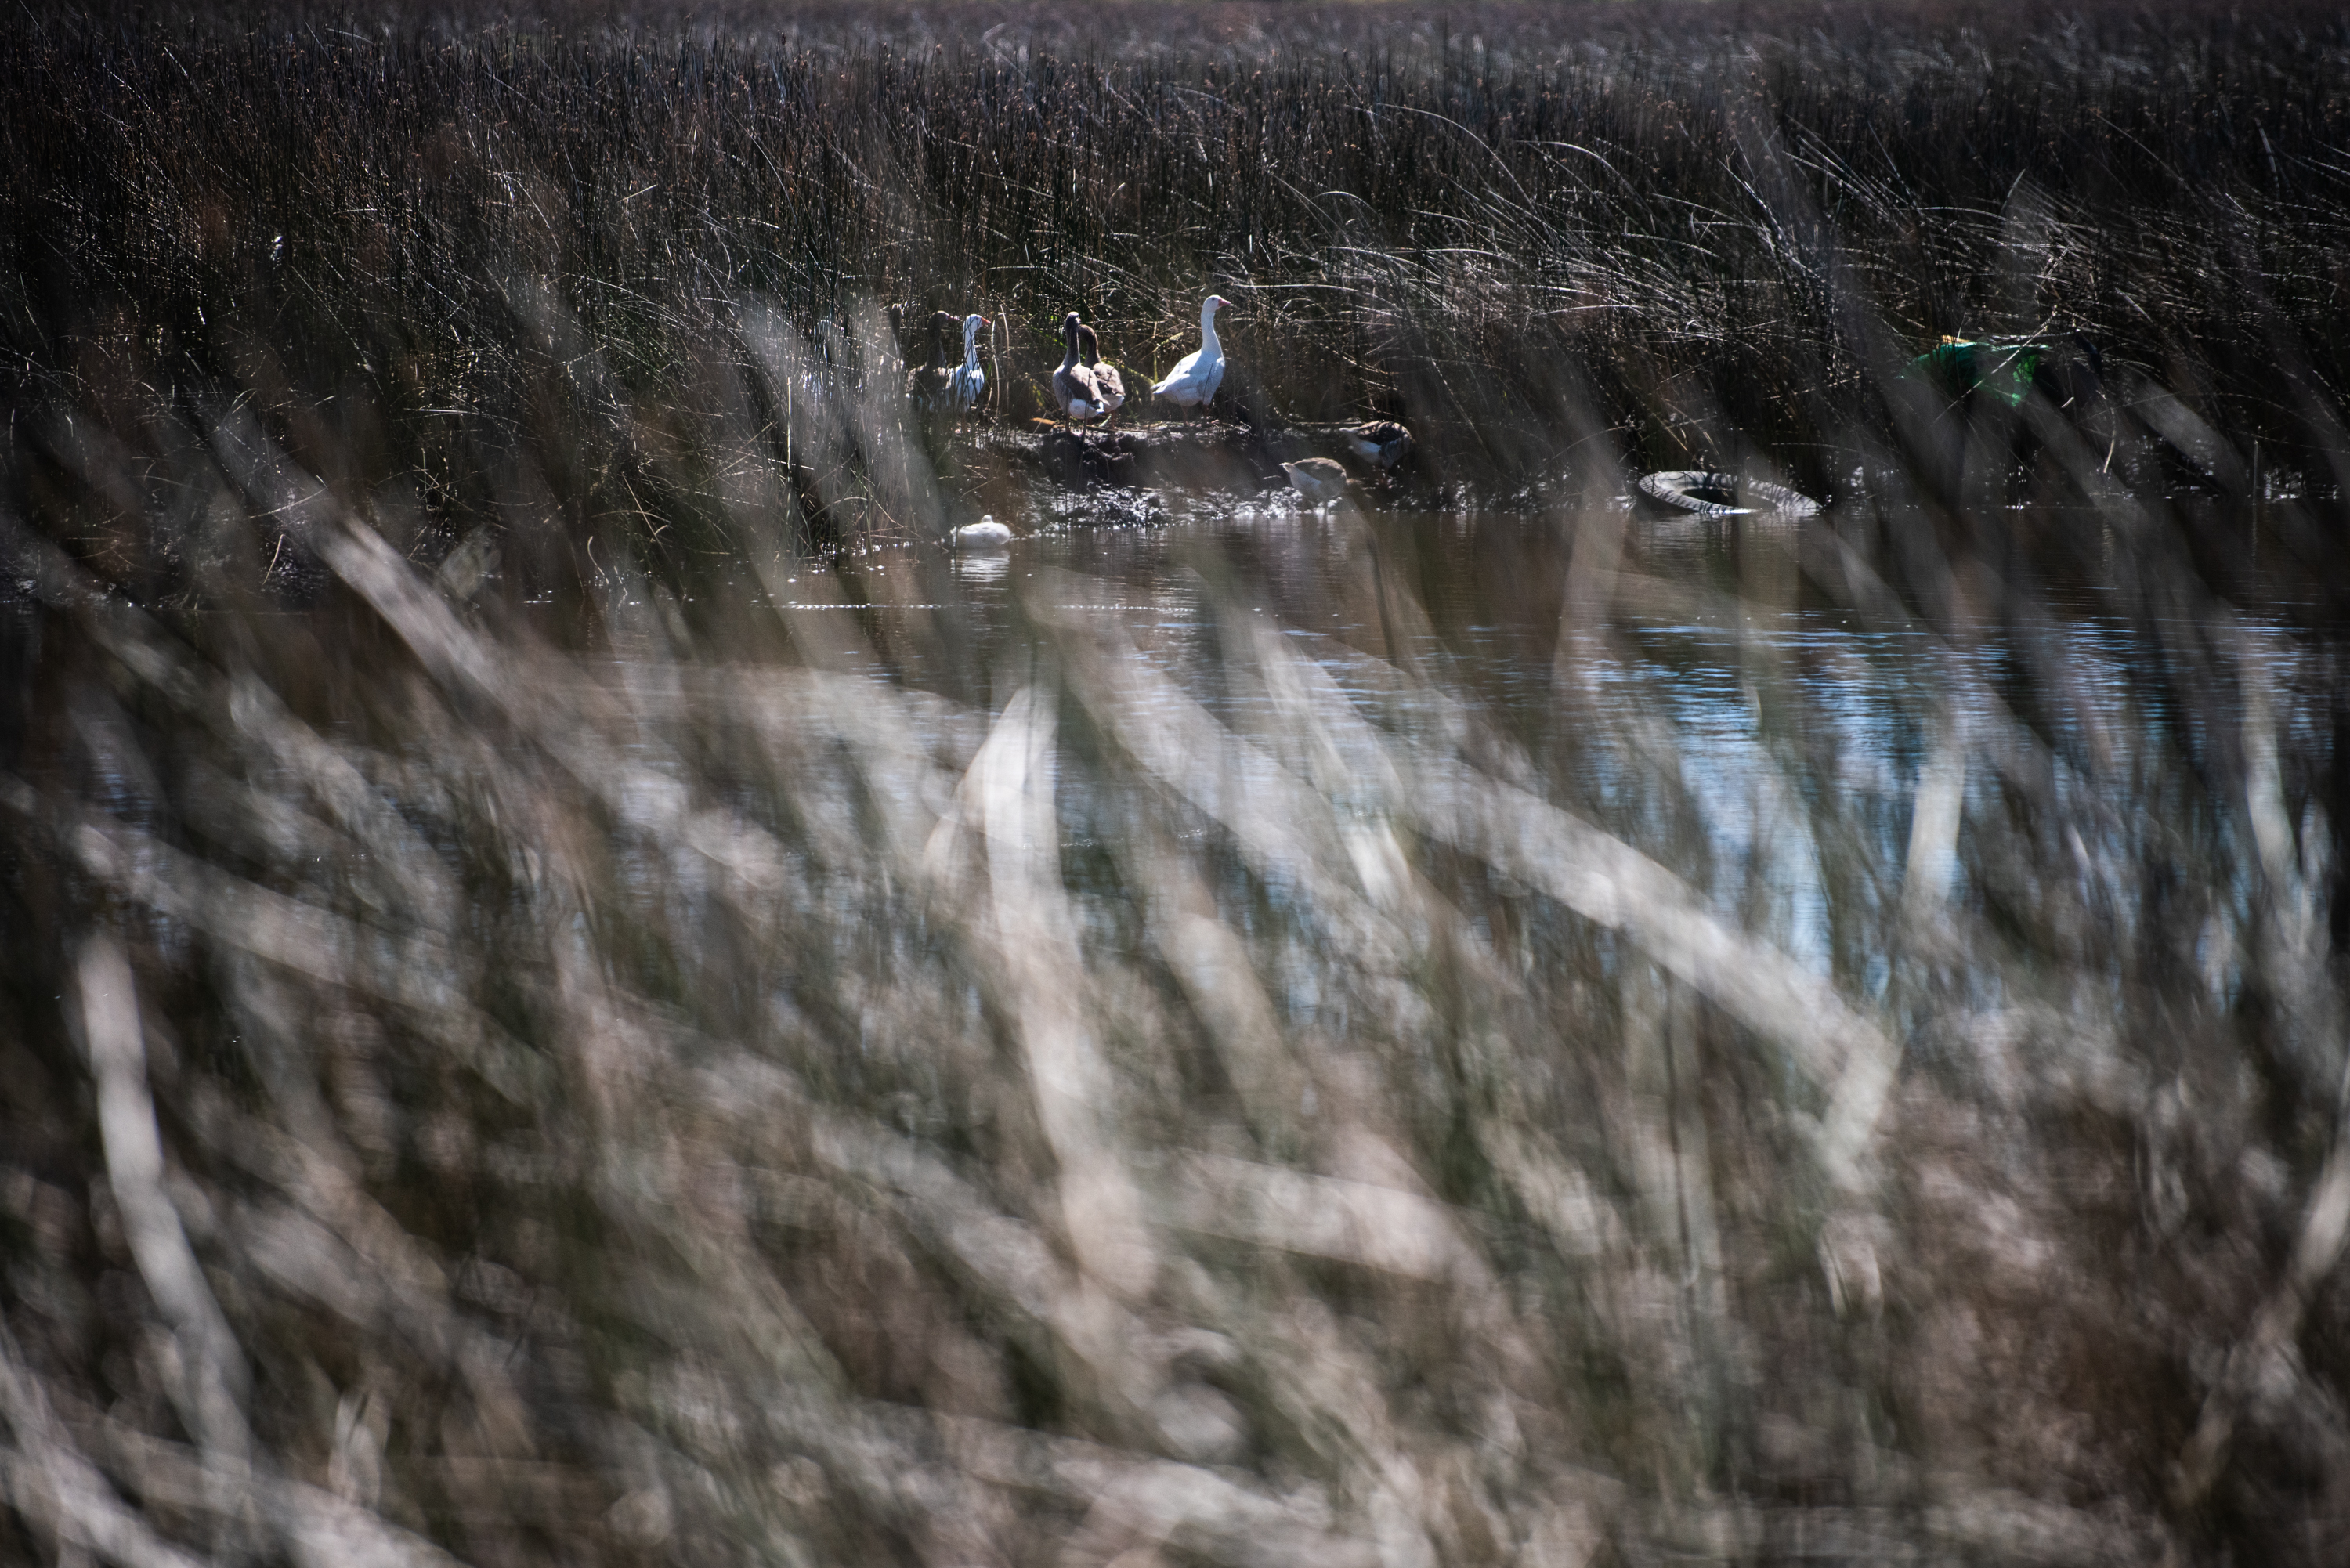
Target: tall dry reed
[{"x": 527, "y": 1041}]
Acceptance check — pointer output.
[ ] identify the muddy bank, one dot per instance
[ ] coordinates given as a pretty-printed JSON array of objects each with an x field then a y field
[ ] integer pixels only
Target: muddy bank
[{"x": 1203, "y": 454}]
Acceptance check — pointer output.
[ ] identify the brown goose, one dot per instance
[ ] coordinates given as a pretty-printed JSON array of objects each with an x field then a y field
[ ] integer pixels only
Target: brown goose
[
  {"x": 1321, "y": 480},
  {"x": 1107, "y": 381},
  {"x": 1074, "y": 385}
]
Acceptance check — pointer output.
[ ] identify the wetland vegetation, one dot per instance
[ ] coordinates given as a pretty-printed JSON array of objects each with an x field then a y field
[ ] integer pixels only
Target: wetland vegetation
[{"x": 576, "y": 986}]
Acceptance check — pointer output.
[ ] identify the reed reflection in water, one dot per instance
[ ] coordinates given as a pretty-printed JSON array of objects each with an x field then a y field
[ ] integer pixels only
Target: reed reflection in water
[{"x": 1555, "y": 1039}]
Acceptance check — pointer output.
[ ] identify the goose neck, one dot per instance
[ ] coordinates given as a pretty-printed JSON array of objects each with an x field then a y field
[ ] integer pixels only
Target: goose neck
[{"x": 1208, "y": 339}]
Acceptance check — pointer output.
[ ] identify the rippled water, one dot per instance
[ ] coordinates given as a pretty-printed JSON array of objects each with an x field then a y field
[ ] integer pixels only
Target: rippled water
[{"x": 1698, "y": 700}]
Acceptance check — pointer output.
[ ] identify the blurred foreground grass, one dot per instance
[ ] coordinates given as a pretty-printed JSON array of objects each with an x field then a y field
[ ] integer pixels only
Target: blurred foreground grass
[{"x": 637, "y": 1077}]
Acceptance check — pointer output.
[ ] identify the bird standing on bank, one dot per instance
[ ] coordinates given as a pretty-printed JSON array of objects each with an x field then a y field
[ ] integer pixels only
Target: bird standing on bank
[
  {"x": 1193, "y": 381},
  {"x": 930, "y": 384},
  {"x": 1075, "y": 386},
  {"x": 969, "y": 382},
  {"x": 1382, "y": 442},
  {"x": 1321, "y": 480},
  {"x": 1108, "y": 385}
]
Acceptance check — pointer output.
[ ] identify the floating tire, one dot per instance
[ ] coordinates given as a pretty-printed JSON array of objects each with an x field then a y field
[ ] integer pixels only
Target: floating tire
[{"x": 1706, "y": 494}]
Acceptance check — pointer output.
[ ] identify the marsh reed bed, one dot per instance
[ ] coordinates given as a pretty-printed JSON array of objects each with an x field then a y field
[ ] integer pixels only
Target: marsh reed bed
[
  {"x": 1532, "y": 232},
  {"x": 530, "y": 1034}
]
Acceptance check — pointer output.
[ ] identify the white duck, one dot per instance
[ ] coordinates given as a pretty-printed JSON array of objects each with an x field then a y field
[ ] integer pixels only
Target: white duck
[
  {"x": 1197, "y": 375},
  {"x": 986, "y": 534},
  {"x": 970, "y": 382}
]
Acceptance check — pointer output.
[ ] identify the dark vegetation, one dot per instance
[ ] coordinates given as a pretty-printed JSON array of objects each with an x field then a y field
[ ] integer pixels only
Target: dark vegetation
[
  {"x": 528, "y": 1033},
  {"x": 1554, "y": 238}
]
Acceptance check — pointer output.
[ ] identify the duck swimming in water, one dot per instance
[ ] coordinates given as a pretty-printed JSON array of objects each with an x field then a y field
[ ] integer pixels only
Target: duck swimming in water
[
  {"x": 1075, "y": 386},
  {"x": 1193, "y": 381},
  {"x": 1108, "y": 383},
  {"x": 986, "y": 534}
]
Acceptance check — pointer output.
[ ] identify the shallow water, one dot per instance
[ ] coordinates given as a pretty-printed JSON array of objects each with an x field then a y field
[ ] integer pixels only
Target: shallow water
[{"x": 1699, "y": 698}]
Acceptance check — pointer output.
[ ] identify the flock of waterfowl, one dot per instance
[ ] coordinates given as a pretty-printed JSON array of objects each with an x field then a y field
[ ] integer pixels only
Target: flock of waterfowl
[
  {"x": 1088, "y": 393},
  {"x": 1086, "y": 389},
  {"x": 1083, "y": 449}
]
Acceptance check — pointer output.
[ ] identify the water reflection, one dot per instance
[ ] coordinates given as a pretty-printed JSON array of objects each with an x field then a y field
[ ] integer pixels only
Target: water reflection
[
  {"x": 982, "y": 569},
  {"x": 1715, "y": 656}
]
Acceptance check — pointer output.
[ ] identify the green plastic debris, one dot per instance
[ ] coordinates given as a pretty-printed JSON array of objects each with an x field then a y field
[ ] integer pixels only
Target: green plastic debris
[{"x": 1959, "y": 367}]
